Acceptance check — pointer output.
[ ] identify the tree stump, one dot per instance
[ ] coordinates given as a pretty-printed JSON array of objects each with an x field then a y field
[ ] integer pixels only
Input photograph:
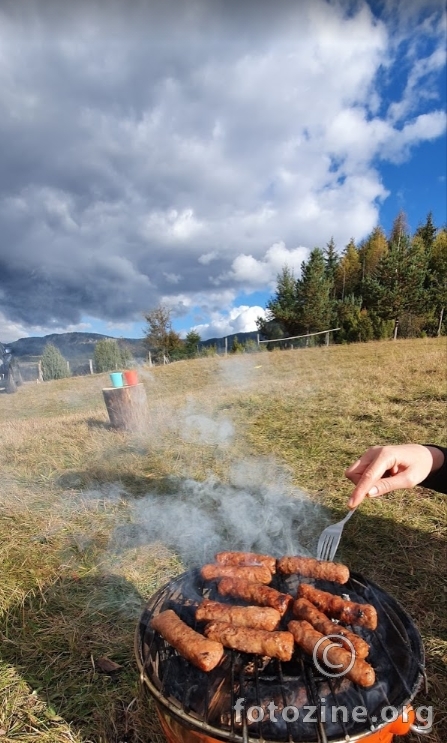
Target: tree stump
[{"x": 126, "y": 406}]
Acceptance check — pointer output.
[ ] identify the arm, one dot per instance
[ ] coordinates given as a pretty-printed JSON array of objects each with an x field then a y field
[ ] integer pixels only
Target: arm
[{"x": 385, "y": 468}]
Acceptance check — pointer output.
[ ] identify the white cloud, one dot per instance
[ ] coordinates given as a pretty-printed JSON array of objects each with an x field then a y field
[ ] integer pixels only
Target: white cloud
[
  {"x": 255, "y": 273},
  {"x": 11, "y": 331},
  {"x": 240, "y": 319},
  {"x": 136, "y": 172}
]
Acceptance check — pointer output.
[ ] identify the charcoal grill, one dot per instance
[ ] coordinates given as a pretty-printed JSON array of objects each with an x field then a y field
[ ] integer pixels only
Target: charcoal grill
[{"x": 199, "y": 707}]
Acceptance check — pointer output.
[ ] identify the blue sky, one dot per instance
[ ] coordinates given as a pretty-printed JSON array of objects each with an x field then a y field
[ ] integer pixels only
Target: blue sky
[{"x": 182, "y": 154}]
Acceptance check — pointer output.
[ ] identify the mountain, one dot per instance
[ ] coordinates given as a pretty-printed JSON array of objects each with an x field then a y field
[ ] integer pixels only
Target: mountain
[
  {"x": 78, "y": 348},
  {"x": 220, "y": 342},
  {"x": 74, "y": 347}
]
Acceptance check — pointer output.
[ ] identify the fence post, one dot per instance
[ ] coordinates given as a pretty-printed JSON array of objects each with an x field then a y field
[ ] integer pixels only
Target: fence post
[
  {"x": 68, "y": 366},
  {"x": 226, "y": 346},
  {"x": 90, "y": 363},
  {"x": 39, "y": 371},
  {"x": 149, "y": 358},
  {"x": 257, "y": 340},
  {"x": 327, "y": 338}
]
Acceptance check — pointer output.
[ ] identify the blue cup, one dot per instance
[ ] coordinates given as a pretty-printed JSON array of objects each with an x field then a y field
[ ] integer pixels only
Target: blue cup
[{"x": 117, "y": 379}]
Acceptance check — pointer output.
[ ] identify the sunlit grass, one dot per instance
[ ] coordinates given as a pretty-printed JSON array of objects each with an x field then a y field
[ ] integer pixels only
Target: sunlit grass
[{"x": 64, "y": 601}]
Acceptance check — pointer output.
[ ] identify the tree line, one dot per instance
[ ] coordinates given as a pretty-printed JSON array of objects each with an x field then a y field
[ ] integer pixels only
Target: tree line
[{"x": 384, "y": 287}]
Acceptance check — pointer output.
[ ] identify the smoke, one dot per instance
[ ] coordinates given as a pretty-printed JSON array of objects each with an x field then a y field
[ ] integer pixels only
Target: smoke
[{"x": 257, "y": 510}]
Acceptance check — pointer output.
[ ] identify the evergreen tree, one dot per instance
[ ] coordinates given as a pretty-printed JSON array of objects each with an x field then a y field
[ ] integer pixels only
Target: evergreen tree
[
  {"x": 398, "y": 284},
  {"x": 108, "y": 356},
  {"x": 331, "y": 259},
  {"x": 192, "y": 341},
  {"x": 54, "y": 366},
  {"x": 313, "y": 294},
  {"x": 281, "y": 308},
  {"x": 427, "y": 232}
]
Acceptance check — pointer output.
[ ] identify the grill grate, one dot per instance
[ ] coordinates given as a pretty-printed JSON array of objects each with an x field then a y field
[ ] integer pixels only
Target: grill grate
[{"x": 206, "y": 701}]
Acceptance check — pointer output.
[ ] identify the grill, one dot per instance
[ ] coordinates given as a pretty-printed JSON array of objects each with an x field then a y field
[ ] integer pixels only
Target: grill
[{"x": 194, "y": 705}]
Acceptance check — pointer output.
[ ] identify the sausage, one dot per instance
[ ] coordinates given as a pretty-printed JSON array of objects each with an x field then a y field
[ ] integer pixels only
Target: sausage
[
  {"x": 303, "y": 609},
  {"x": 249, "y": 640},
  {"x": 311, "y": 568},
  {"x": 241, "y": 616},
  {"x": 198, "y": 650},
  {"x": 348, "y": 612},
  {"x": 246, "y": 558},
  {"x": 258, "y": 574},
  {"x": 255, "y": 592},
  {"x": 307, "y": 637}
]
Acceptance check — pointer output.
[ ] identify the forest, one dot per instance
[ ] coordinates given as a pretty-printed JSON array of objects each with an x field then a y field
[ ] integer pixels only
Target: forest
[{"x": 385, "y": 287}]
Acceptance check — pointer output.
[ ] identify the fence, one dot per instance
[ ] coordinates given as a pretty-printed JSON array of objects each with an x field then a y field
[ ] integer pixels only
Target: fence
[{"x": 304, "y": 338}]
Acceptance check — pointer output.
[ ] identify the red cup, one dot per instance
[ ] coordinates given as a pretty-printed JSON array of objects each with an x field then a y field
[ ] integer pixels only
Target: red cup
[{"x": 130, "y": 377}]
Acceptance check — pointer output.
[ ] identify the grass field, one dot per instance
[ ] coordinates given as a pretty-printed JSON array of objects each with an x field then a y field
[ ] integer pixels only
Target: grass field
[{"x": 82, "y": 548}]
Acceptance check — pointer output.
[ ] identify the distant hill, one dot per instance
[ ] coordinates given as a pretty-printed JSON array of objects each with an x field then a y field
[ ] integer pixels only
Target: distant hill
[
  {"x": 74, "y": 347},
  {"x": 78, "y": 348},
  {"x": 220, "y": 342}
]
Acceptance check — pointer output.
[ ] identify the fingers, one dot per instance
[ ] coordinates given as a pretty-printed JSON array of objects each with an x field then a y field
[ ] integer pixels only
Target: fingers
[
  {"x": 372, "y": 467},
  {"x": 380, "y": 487}
]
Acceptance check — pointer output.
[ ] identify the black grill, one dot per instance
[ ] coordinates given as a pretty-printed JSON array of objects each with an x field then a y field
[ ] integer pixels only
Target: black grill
[{"x": 206, "y": 701}]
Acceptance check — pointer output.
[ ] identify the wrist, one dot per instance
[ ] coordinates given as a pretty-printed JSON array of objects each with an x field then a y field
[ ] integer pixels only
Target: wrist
[{"x": 437, "y": 457}]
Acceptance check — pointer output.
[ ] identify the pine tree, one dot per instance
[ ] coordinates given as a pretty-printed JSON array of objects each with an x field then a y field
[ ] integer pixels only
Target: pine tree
[
  {"x": 313, "y": 293},
  {"x": 281, "y": 309},
  {"x": 398, "y": 284},
  {"x": 192, "y": 341},
  {"x": 108, "y": 356},
  {"x": 427, "y": 232},
  {"x": 54, "y": 366}
]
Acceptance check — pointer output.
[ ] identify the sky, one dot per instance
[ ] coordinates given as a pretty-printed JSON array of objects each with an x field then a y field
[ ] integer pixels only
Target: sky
[{"x": 181, "y": 153}]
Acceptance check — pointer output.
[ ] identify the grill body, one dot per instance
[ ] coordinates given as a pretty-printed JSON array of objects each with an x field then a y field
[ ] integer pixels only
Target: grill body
[{"x": 197, "y": 707}]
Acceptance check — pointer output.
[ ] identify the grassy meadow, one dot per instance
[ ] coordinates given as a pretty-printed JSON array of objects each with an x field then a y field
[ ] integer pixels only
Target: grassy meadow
[{"x": 70, "y": 595}]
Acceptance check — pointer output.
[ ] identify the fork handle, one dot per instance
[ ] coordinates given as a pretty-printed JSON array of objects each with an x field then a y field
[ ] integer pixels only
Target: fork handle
[{"x": 348, "y": 516}]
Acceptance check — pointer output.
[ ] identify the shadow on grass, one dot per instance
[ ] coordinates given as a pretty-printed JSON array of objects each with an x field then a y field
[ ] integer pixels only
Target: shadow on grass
[{"x": 55, "y": 639}]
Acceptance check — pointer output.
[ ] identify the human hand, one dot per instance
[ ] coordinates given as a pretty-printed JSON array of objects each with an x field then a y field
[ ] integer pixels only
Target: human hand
[{"x": 382, "y": 469}]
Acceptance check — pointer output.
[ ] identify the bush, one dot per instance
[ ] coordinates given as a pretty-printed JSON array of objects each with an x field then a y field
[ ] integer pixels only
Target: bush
[
  {"x": 54, "y": 366},
  {"x": 109, "y": 356}
]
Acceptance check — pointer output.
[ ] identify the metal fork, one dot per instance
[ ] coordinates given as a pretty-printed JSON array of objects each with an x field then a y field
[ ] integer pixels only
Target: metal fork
[{"x": 330, "y": 538}]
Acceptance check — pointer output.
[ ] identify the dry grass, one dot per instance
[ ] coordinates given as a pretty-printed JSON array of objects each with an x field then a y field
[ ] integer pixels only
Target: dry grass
[{"x": 65, "y": 600}]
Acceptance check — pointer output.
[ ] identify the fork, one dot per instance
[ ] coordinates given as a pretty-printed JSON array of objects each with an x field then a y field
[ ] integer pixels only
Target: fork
[{"x": 330, "y": 538}]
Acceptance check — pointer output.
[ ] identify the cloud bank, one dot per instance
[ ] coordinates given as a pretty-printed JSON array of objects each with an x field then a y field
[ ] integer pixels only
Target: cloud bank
[{"x": 184, "y": 152}]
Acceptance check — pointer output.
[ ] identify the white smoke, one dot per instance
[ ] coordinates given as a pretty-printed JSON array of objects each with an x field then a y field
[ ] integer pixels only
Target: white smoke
[{"x": 258, "y": 510}]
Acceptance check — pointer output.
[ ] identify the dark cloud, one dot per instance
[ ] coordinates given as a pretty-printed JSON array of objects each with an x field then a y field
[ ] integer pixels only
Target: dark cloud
[{"x": 139, "y": 137}]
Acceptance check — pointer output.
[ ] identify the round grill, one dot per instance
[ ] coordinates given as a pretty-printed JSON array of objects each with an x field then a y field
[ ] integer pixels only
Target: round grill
[{"x": 206, "y": 701}]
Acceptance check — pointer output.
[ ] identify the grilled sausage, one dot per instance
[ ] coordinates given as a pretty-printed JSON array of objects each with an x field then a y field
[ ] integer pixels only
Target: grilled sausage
[
  {"x": 348, "y": 612},
  {"x": 307, "y": 637},
  {"x": 198, "y": 650},
  {"x": 258, "y": 574},
  {"x": 255, "y": 592},
  {"x": 246, "y": 558},
  {"x": 249, "y": 640},
  {"x": 241, "y": 616},
  {"x": 303, "y": 609},
  {"x": 311, "y": 568}
]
